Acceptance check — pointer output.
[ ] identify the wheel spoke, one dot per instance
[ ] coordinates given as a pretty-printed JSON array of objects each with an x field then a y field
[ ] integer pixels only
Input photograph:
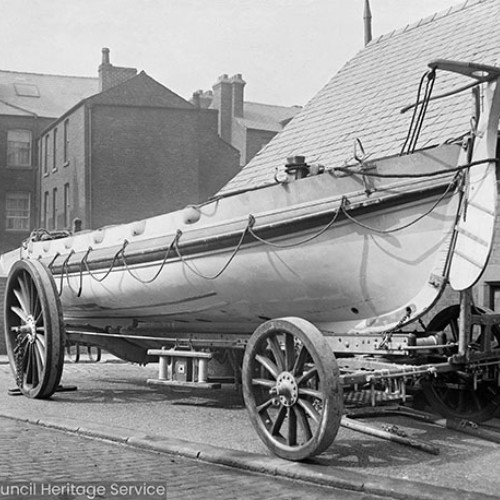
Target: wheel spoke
[
  {"x": 268, "y": 365},
  {"x": 19, "y": 312},
  {"x": 262, "y": 382},
  {"x": 289, "y": 352},
  {"x": 303, "y": 422},
  {"x": 27, "y": 366},
  {"x": 41, "y": 340},
  {"x": 307, "y": 391},
  {"x": 307, "y": 376},
  {"x": 21, "y": 301},
  {"x": 277, "y": 352},
  {"x": 264, "y": 406},
  {"x": 40, "y": 348},
  {"x": 292, "y": 427},
  {"x": 298, "y": 367},
  {"x": 275, "y": 428},
  {"x": 38, "y": 362},
  {"x": 26, "y": 295},
  {"x": 309, "y": 409}
]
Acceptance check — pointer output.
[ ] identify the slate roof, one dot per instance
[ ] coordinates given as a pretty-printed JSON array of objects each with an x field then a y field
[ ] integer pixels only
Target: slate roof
[
  {"x": 51, "y": 95},
  {"x": 363, "y": 100},
  {"x": 268, "y": 117}
]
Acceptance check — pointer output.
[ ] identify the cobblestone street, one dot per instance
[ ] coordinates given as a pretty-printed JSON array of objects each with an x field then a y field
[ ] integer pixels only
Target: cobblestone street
[{"x": 32, "y": 453}]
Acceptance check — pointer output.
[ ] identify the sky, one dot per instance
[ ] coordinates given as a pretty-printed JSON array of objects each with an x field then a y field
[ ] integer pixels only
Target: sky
[{"x": 286, "y": 50}]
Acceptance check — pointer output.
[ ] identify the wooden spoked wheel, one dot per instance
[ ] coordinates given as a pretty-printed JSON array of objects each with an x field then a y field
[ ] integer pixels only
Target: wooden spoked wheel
[
  {"x": 291, "y": 388},
  {"x": 454, "y": 394},
  {"x": 34, "y": 329}
]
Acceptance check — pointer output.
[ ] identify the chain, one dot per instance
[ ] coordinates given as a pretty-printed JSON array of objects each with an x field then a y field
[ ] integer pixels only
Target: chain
[{"x": 19, "y": 356}]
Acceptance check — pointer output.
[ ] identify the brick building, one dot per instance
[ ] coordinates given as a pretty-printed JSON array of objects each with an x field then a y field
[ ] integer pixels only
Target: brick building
[
  {"x": 29, "y": 102},
  {"x": 134, "y": 150},
  {"x": 248, "y": 126}
]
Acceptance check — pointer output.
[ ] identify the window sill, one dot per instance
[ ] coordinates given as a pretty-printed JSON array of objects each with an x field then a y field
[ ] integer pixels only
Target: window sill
[{"x": 20, "y": 167}]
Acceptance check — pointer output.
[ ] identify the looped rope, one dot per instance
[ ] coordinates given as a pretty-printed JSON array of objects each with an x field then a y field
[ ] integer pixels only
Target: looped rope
[
  {"x": 164, "y": 261},
  {"x": 404, "y": 226},
  {"x": 251, "y": 221},
  {"x": 52, "y": 261},
  {"x": 64, "y": 269},
  {"x": 111, "y": 267},
  {"x": 301, "y": 242}
]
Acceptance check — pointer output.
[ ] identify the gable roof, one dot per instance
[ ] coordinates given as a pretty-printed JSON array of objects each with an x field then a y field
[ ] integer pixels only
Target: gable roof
[
  {"x": 363, "y": 100},
  {"x": 141, "y": 90},
  {"x": 25, "y": 94},
  {"x": 268, "y": 117}
]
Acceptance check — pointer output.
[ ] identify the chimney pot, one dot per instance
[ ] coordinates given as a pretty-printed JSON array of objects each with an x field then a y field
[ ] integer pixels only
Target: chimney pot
[{"x": 105, "y": 55}]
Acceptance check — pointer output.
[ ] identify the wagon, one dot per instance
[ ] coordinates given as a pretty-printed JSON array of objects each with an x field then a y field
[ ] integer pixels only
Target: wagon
[{"x": 312, "y": 287}]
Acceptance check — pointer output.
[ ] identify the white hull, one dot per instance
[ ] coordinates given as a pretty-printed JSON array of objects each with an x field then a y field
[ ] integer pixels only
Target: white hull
[{"x": 348, "y": 278}]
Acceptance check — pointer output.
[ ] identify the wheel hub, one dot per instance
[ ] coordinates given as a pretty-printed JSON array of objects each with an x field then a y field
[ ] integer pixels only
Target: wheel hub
[
  {"x": 287, "y": 389},
  {"x": 31, "y": 327}
]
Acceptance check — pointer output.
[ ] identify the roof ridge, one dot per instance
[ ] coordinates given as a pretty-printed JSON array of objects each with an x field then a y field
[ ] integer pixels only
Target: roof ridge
[
  {"x": 48, "y": 74},
  {"x": 426, "y": 20},
  {"x": 273, "y": 105}
]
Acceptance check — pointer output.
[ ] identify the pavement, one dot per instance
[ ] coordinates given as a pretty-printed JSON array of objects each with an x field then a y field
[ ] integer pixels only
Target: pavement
[{"x": 114, "y": 403}]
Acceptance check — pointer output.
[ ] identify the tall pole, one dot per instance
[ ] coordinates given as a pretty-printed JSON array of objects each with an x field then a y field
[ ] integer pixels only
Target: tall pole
[{"x": 367, "y": 18}]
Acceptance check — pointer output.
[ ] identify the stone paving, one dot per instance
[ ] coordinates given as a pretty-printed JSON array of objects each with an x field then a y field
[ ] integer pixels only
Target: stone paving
[{"x": 32, "y": 454}]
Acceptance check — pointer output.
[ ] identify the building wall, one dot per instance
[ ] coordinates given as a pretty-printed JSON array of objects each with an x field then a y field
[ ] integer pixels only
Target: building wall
[
  {"x": 143, "y": 163},
  {"x": 147, "y": 161},
  {"x": 255, "y": 141},
  {"x": 59, "y": 172},
  {"x": 18, "y": 179},
  {"x": 218, "y": 161}
]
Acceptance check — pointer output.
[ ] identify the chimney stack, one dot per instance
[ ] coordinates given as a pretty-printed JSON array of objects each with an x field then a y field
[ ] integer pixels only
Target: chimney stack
[
  {"x": 223, "y": 101},
  {"x": 367, "y": 19},
  {"x": 109, "y": 75},
  {"x": 238, "y": 85}
]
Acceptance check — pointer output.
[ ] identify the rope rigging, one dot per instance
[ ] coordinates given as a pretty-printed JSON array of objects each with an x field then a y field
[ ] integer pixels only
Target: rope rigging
[{"x": 419, "y": 112}]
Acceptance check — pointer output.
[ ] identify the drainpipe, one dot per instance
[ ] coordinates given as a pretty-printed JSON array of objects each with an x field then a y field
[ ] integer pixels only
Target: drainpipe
[
  {"x": 88, "y": 190},
  {"x": 367, "y": 18}
]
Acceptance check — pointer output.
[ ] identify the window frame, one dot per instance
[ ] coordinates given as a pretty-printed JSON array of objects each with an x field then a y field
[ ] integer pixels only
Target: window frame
[
  {"x": 67, "y": 206},
  {"x": 54, "y": 209},
  {"x": 9, "y": 152},
  {"x": 66, "y": 142},
  {"x": 26, "y": 217},
  {"x": 54, "y": 150},
  {"x": 46, "y": 155}
]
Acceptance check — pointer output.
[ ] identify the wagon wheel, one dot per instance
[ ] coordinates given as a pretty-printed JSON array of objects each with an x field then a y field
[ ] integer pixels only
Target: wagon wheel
[
  {"x": 34, "y": 329},
  {"x": 452, "y": 394},
  {"x": 291, "y": 388}
]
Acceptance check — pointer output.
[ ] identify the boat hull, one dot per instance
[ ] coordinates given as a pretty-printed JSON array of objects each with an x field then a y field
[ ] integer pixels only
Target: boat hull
[{"x": 343, "y": 255}]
